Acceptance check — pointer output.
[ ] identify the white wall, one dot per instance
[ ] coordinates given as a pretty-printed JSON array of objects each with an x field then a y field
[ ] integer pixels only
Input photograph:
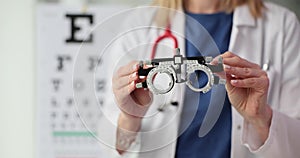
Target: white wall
[
  {"x": 17, "y": 104},
  {"x": 293, "y": 5},
  {"x": 17, "y": 79}
]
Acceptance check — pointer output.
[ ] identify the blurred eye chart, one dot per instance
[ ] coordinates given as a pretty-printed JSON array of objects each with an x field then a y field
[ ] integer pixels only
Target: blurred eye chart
[{"x": 67, "y": 123}]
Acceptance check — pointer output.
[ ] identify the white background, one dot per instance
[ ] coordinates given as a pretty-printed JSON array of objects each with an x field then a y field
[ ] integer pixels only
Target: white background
[{"x": 17, "y": 79}]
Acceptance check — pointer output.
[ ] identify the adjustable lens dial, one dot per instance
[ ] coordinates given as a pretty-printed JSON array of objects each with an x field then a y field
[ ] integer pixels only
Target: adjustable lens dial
[
  {"x": 160, "y": 80},
  {"x": 191, "y": 70}
]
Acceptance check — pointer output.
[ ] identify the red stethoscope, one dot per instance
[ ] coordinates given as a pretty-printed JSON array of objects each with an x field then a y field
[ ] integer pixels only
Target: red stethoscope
[{"x": 167, "y": 34}]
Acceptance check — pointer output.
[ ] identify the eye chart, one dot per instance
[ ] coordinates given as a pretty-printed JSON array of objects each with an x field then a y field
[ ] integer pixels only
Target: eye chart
[{"x": 61, "y": 30}]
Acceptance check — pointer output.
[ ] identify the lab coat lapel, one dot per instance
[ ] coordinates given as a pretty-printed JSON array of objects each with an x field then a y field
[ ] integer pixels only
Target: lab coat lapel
[
  {"x": 243, "y": 42},
  {"x": 247, "y": 45}
]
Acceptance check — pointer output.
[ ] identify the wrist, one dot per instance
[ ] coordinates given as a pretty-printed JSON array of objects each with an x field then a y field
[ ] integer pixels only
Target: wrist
[
  {"x": 128, "y": 126},
  {"x": 263, "y": 119},
  {"x": 129, "y": 122},
  {"x": 262, "y": 122}
]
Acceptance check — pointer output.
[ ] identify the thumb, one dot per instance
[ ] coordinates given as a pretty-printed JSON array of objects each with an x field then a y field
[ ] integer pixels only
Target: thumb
[
  {"x": 228, "y": 86},
  {"x": 143, "y": 97}
]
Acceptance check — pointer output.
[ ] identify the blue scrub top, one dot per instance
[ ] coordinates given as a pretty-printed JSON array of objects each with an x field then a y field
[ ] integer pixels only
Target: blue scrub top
[{"x": 217, "y": 143}]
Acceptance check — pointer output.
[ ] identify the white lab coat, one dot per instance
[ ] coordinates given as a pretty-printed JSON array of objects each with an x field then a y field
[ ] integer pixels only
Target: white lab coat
[{"x": 275, "y": 39}]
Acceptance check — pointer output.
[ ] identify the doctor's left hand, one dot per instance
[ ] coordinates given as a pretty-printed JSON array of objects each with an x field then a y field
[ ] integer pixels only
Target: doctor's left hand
[{"x": 247, "y": 87}]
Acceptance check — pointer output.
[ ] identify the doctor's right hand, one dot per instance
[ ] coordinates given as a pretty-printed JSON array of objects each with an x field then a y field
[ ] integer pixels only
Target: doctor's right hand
[{"x": 133, "y": 102}]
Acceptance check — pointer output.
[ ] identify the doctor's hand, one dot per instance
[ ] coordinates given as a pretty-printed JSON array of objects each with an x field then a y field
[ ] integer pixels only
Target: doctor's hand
[
  {"x": 133, "y": 103},
  {"x": 247, "y": 87}
]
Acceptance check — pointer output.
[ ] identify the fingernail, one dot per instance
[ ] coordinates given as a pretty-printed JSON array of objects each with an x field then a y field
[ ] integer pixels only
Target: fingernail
[
  {"x": 133, "y": 75},
  {"x": 133, "y": 83},
  {"x": 214, "y": 61},
  {"x": 134, "y": 67},
  {"x": 227, "y": 67},
  {"x": 234, "y": 81}
]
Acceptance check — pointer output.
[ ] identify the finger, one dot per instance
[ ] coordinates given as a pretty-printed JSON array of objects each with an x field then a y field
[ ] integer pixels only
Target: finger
[
  {"x": 124, "y": 92},
  {"x": 234, "y": 60},
  {"x": 261, "y": 83},
  {"x": 228, "y": 55},
  {"x": 142, "y": 96},
  {"x": 228, "y": 79},
  {"x": 216, "y": 60},
  {"x": 128, "y": 69},
  {"x": 243, "y": 72},
  {"x": 239, "y": 62},
  {"x": 120, "y": 82}
]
